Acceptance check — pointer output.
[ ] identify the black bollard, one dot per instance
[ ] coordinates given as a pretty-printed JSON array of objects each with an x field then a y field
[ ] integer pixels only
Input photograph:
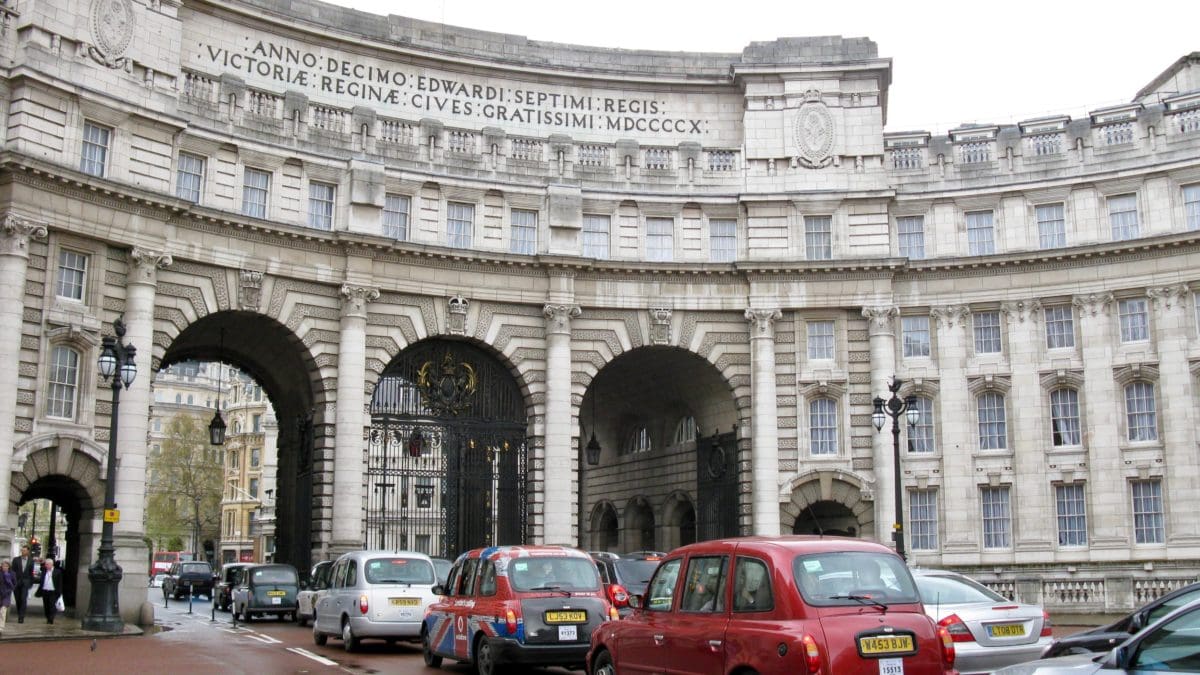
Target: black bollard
[{"x": 189, "y": 597}]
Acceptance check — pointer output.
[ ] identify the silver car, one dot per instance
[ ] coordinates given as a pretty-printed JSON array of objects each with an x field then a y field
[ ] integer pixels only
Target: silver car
[
  {"x": 989, "y": 631},
  {"x": 375, "y": 595},
  {"x": 1172, "y": 644}
]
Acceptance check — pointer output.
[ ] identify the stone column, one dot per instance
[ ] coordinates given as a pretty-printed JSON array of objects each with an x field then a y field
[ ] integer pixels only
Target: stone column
[
  {"x": 1028, "y": 410},
  {"x": 880, "y": 327},
  {"x": 1100, "y": 403},
  {"x": 1177, "y": 421},
  {"x": 764, "y": 425},
  {"x": 351, "y": 419},
  {"x": 959, "y": 438},
  {"x": 559, "y": 451},
  {"x": 134, "y": 424},
  {"x": 15, "y": 233}
]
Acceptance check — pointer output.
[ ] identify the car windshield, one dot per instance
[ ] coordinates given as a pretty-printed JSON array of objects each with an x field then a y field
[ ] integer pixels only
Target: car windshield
[
  {"x": 939, "y": 589},
  {"x": 853, "y": 578},
  {"x": 274, "y": 575},
  {"x": 399, "y": 570},
  {"x": 554, "y": 573},
  {"x": 635, "y": 575}
]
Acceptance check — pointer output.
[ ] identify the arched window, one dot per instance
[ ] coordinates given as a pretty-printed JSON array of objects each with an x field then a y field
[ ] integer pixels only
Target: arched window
[
  {"x": 685, "y": 430},
  {"x": 920, "y": 435},
  {"x": 637, "y": 441},
  {"x": 64, "y": 383},
  {"x": 993, "y": 427},
  {"x": 1064, "y": 417},
  {"x": 1141, "y": 418},
  {"x": 822, "y": 426}
]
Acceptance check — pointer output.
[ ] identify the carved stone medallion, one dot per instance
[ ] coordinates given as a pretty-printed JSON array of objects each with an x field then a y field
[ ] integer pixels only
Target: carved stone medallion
[
  {"x": 112, "y": 30},
  {"x": 814, "y": 132}
]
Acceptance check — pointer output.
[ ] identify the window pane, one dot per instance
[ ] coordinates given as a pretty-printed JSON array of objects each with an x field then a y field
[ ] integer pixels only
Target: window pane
[
  {"x": 254, "y": 193},
  {"x": 595, "y": 236},
  {"x": 822, "y": 422},
  {"x": 722, "y": 239},
  {"x": 1052, "y": 230},
  {"x": 923, "y": 519},
  {"x": 1147, "y": 511},
  {"x": 460, "y": 224},
  {"x": 189, "y": 177},
  {"x": 987, "y": 332},
  {"x": 993, "y": 431},
  {"x": 912, "y": 236},
  {"x": 395, "y": 216},
  {"x": 997, "y": 518},
  {"x": 524, "y": 232},
  {"x": 980, "y": 240},
  {"x": 1122, "y": 215},
  {"x": 1072, "y": 516},
  {"x": 1140, "y": 414},
  {"x": 660, "y": 239},
  {"x": 1060, "y": 327},
  {"x": 820, "y": 340},
  {"x": 1191, "y": 206},
  {"x": 320, "y": 206},
  {"x": 94, "y": 152},
  {"x": 915, "y": 330},
  {"x": 1135, "y": 323},
  {"x": 920, "y": 435},
  {"x": 818, "y": 237},
  {"x": 1064, "y": 417},
  {"x": 64, "y": 379},
  {"x": 72, "y": 273}
]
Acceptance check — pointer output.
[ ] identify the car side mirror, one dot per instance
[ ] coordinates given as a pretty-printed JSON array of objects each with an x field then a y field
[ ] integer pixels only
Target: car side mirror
[
  {"x": 635, "y": 601},
  {"x": 1117, "y": 658},
  {"x": 439, "y": 589}
]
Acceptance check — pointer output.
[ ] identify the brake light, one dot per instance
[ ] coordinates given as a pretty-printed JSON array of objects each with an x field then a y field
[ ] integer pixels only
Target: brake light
[
  {"x": 362, "y": 604},
  {"x": 1047, "y": 624},
  {"x": 957, "y": 630},
  {"x": 510, "y": 622},
  {"x": 618, "y": 595},
  {"x": 948, "y": 654},
  {"x": 812, "y": 654}
]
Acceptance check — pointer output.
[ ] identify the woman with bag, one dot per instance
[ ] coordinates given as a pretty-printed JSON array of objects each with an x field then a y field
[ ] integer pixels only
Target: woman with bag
[
  {"x": 8, "y": 583},
  {"x": 50, "y": 589}
]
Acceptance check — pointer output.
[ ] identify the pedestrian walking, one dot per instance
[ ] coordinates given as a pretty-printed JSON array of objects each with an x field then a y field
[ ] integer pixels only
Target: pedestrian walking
[
  {"x": 23, "y": 567},
  {"x": 50, "y": 588},
  {"x": 8, "y": 584}
]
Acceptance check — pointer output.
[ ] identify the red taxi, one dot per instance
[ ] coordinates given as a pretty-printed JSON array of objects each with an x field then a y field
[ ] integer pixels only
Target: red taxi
[
  {"x": 532, "y": 605},
  {"x": 796, "y": 604}
]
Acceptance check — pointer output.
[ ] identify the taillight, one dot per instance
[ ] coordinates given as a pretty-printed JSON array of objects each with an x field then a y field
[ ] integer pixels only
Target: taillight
[
  {"x": 362, "y": 604},
  {"x": 1047, "y": 624},
  {"x": 957, "y": 630},
  {"x": 948, "y": 654},
  {"x": 510, "y": 622},
  {"x": 812, "y": 654},
  {"x": 618, "y": 595}
]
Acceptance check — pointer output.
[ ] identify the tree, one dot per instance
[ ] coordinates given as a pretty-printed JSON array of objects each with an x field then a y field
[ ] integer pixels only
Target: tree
[{"x": 184, "y": 494}]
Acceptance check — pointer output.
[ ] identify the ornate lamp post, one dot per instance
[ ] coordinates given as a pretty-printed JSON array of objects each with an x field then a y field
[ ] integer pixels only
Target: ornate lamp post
[
  {"x": 894, "y": 407},
  {"x": 116, "y": 362}
]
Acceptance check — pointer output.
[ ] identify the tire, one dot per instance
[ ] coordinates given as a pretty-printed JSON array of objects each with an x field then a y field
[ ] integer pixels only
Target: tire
[
  {"x": 431, "y": 660},
  {"x": 485, "y": 659},
  {"x": 603, "y": 664},
  {"x": 319, "y": 638},
  {"x": 349, "y": 642}
]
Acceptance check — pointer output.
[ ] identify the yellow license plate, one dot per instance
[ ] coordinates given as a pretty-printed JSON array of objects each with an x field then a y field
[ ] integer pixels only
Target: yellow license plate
[
  {"x": 566, "y": 617},
  {"x": 274, "y": 594},
  {"x": 885, "y": 644},
  {"x": 1008, "y": 630},
  {"x": 405, "y": 602}
]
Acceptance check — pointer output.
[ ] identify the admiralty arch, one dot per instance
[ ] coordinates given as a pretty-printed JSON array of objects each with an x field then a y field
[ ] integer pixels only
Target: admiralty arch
[{"x": 505, "y": 290}]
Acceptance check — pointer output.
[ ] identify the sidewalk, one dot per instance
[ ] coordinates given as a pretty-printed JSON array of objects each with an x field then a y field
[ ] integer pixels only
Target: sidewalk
[{"x": 65, "y": 627}]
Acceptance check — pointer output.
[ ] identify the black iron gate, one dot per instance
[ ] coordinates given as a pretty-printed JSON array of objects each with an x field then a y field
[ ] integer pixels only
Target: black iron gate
[
  {"x": 446, "y": 461},
  {"x": 716, "y": 487}
]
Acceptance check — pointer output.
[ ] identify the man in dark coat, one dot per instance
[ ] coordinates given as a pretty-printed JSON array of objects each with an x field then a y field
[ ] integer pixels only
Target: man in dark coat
[
  {"x": 23, "y": 567},
  {"x": 50, "y": 588}
]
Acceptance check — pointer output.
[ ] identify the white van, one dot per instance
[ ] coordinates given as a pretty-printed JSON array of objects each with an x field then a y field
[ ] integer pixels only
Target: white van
[{"x": 375, "y": 595}]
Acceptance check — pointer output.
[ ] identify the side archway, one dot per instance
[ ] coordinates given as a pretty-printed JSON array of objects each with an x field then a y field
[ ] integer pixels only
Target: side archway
[
  {"x": 640, "y": 527},
  {"x": 828, "y": 502},
  {"x": 604, "y": 531}
]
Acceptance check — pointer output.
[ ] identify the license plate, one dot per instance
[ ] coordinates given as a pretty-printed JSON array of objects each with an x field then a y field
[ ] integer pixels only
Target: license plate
[
  {"x": 566, "y": 617},
  {"x": 875, "y": 645},
  {"x": 1007, "y": 630},
  {"x": 891, "y": 666},
  {"x": 274, "y": 594},
  {"x": 276, "y": 601},
  {"x": 566, "y": 633},
  {"x": 405, "y": 602}
]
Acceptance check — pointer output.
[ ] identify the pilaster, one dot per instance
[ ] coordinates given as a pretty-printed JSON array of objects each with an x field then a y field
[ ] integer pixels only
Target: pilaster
[
  {"x": 958, "y": 443},
  {"x": 350, "y": 417},
  {"x": 559, "y": 471},
  {"x": 881, "y": 322},
  {"x": 764, "y": 442}
]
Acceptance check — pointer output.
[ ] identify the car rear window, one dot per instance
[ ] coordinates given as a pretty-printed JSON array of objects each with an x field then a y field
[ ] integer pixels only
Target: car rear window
[
  {"x": 274, "y": 575},
  {"x": 399, "y": 570},
  {"x": 947, "y": 590},
  {"x": 553, "y": 573},
  {"x": 853, "y": 578},
  {"x": 635, "y": 575},
  {"x": 195, "y": 568}
]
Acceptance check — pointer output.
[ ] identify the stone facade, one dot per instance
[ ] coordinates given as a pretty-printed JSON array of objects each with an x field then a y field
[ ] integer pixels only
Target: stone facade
[{"x": 658, "y": 247}]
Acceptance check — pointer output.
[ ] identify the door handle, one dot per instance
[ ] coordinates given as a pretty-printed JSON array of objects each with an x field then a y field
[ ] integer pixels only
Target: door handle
[
  {"x": 658, "y": 639},
  {"x": 715, "y": 645}
]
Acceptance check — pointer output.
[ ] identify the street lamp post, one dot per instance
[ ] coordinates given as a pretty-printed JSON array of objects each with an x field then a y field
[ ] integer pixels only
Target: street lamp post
[
  {"x": 894, "y": 407},
  {"x": 116, "y": 362}
]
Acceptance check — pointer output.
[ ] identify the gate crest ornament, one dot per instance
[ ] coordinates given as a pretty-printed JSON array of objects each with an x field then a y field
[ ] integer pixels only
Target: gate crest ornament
[
  {"x": 447, "y": 388},
  {"x": 112, "y": 30},
  {"x": 813, "y": 130}
]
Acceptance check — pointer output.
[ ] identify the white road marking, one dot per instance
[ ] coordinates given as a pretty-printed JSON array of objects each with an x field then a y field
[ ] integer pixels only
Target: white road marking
[
  {"x": 267, "y": 639},
  {"x": 315, "y": 657}
]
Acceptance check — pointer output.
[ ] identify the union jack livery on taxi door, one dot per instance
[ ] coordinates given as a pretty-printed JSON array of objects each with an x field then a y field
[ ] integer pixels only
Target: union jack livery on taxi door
[{"x": 533, "y": 605}]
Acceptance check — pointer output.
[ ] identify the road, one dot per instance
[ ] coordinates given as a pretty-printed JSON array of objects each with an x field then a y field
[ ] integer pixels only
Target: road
[{"x": 194, "y": 643}]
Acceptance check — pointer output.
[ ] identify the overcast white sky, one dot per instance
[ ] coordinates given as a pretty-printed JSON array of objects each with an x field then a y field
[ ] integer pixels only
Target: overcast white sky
[{"x": 952, "y": 62}]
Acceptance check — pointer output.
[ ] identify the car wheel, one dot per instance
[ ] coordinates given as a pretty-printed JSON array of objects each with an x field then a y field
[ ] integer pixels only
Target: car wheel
[
  {"x": 485, "y": 659},
  {"x": 603, "y": 664},
  {"x": 431, "y": 660},
  {"x": 319, "y": 638},
  {"x": 349, "y": 642}
]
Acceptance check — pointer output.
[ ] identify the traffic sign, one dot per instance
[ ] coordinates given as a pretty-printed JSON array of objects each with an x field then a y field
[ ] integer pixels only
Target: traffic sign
[{"x": 112, "y": 515}]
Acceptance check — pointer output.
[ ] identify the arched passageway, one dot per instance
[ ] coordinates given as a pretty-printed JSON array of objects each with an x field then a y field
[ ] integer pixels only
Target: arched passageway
[{"x": 827, "y": 518}]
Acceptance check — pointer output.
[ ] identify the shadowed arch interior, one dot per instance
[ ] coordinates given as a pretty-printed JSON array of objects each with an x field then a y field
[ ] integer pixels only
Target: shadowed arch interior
[{"x": 72, "y": 500}]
